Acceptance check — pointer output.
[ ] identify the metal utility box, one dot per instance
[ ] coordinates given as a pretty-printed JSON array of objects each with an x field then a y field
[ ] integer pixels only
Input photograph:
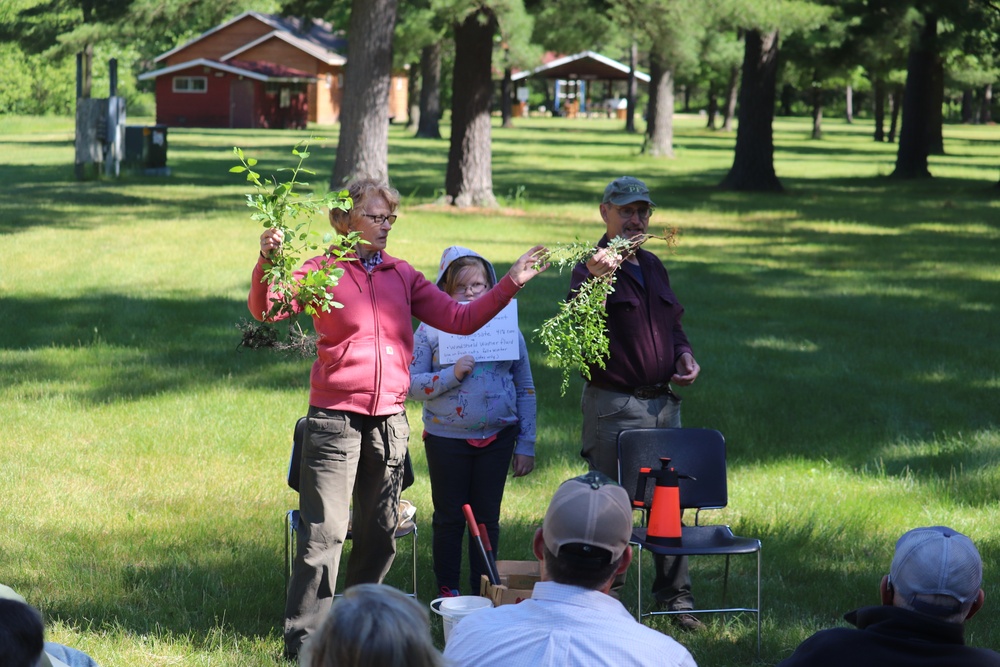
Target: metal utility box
[{"x": 146, "y": 149}]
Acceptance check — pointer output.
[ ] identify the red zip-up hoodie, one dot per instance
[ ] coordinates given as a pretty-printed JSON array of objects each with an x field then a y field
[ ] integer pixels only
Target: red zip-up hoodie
[{"x": 364, "y": 349}]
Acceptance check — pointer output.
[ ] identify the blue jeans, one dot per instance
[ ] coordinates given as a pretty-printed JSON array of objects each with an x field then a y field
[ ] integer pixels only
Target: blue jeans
[{"x": 462, "y": 474}]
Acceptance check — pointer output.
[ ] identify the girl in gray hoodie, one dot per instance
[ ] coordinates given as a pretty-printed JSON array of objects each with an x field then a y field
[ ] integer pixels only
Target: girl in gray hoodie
[{"x": 479, "y": 419}]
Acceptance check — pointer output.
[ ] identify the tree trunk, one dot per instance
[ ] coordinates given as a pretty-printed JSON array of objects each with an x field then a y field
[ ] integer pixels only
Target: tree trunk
[
  {"x": 430, "y": 92},
  {"x": 911, "y": 157},
  {"x": 732, "y": 95},
  {"x": 849, "y": 104},
  {"x": 817, "y": 113},
  {"x": 363, "y": 147},
  {"x": 787, "y": 99},
  {"x": 753, "y": 161},
  {"x": 968, "y": 115},
  {"x": 469, "y": 180},
  {"x": 652, "y": 102},
  {"x": 935, "y": 124},
  {"x": 713, "y": 106},
  {"x": 895, "y": 102},
  {"x": 985, "y": 117},
  {"x": 878, "y": 92},
  {"x": 660, "y": 131},
  {"x": 87, "y": 7},
  {"x": 412, "y": 95},
  {"x": 507, "y": 99},
  {"x": 633, "y": 59}
]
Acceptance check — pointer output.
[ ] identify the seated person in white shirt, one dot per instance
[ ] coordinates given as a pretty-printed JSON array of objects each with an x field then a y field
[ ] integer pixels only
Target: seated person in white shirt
[{"x": 570, "y": 618}]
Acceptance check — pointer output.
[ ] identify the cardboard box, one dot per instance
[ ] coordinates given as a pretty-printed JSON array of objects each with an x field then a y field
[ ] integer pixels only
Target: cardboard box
[{"x": 517, "y": 579}]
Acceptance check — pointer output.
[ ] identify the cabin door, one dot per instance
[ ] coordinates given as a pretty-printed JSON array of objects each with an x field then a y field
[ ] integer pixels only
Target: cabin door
[{"x": 241, "y": 103}]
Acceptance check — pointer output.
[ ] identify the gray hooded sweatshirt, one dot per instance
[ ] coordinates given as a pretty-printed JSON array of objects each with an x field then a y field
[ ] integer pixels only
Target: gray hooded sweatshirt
[{"x": 494, "y": 396}]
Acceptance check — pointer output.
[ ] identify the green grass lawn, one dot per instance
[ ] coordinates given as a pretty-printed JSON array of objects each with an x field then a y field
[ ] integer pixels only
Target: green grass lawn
[{"x": 846, "y": 331}]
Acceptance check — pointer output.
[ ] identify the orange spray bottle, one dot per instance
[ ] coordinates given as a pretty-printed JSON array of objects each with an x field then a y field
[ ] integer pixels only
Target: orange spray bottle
[{"x": 664, "y": 525}]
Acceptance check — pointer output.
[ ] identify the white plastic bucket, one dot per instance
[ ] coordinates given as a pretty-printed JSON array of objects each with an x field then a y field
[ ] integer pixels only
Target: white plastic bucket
[{"x": 453, "y": 610}]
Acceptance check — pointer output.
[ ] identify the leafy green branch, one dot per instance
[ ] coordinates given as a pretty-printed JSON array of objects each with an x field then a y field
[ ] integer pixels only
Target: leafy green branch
[
  {"x": 279, "y": 204},
  {"x": 576, "y": 337}
]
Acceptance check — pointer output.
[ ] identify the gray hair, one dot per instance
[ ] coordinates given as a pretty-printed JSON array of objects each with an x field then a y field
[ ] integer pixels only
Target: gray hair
[
  {"x": 373, "y": 625},
  {"x": 360, "y": 190}
]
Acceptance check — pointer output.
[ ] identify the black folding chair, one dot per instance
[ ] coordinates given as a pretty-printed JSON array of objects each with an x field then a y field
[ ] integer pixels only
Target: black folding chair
[
  {"x": 407, "y": 525},
  {"x": 701, "y": 455}
]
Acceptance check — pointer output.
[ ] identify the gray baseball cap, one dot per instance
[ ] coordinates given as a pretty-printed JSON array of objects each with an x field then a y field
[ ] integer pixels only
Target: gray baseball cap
[
  {"x": 936, "y": 561},
  {"x": 626, "y": 190}
]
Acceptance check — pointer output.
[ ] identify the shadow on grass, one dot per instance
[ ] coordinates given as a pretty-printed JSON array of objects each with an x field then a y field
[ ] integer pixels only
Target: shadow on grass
[
  {"x": 112, "y": 347},
  {"x": 233, "y": 585},
  {"x": 558, "y": 165},
  {"x": 186, "y": 589}
]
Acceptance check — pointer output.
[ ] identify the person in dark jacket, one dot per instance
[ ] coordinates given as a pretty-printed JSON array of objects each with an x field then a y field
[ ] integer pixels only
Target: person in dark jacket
[
  {"x": 933, "y": 587},
  {"x": 648, "y": 352}
]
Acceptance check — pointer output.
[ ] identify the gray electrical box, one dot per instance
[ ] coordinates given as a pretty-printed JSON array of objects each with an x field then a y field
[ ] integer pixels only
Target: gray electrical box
[{"x": 146, "y": 149}]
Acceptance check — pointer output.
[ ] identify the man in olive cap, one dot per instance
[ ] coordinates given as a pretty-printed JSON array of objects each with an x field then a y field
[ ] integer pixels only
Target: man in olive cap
[
  {"x": 570, "y": 620},
  {"x": 933, "y": 587},
  {"x": 649, "y": 354}
]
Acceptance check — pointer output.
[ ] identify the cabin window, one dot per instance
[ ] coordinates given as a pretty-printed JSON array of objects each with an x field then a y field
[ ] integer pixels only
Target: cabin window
[{"x": 190, "y": 84}]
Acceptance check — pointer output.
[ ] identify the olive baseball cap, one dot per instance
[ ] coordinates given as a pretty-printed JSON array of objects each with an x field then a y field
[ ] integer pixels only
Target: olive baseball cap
[
  {"x": 626, "y": 190},
  {"x": 591, "y": 511}
]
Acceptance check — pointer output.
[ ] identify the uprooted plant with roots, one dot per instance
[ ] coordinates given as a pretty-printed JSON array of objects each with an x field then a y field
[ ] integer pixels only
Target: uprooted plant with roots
[{"x": 281, "y": 204}]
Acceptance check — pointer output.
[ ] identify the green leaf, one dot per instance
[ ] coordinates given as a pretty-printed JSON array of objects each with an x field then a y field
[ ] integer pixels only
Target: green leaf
[{"x": 238, "y": 169}]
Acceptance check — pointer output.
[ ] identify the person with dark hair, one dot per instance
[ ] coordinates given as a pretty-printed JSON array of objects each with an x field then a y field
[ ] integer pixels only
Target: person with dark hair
[
  {"x": 933, "y": 587},
  {"x": 53, "y": 655},
  {"x": 373, "y": 625},
  {"x": 648, "y": 357},
  {"x": 479, "y": 421},
  {"x": 357, "y": 432},
  {"x": 570, "y": 619},
  {"x": 22, "y": 634}
]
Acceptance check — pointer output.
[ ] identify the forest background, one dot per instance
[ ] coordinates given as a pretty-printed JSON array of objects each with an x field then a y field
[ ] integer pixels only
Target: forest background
[{"x": 725, "y": 58}]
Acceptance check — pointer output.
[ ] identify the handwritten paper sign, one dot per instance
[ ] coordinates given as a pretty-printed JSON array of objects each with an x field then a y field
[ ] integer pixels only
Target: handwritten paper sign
[{"x": 496, "y": 341}]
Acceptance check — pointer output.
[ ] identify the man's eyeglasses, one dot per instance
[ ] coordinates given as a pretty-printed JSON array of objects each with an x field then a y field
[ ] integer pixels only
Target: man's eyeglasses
[
  {"x": 627, "y": 212},
  {"x": 475, "y": 288},
  {"x": 380, "y": 219}
]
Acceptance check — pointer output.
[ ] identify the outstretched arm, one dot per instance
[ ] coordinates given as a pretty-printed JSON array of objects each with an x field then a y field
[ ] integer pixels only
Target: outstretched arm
[{"x": 524, "y": 269}]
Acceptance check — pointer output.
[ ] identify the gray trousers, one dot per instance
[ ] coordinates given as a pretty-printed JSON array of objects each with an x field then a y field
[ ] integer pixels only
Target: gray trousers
[
  {"x": 606, "y": 413},
  {"x": 345, "y": 456}
]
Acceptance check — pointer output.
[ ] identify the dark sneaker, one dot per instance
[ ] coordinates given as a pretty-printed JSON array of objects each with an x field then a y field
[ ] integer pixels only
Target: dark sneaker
[
  {"x": 688, "y": 622},
  {"x": 449, "y": 592}
]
